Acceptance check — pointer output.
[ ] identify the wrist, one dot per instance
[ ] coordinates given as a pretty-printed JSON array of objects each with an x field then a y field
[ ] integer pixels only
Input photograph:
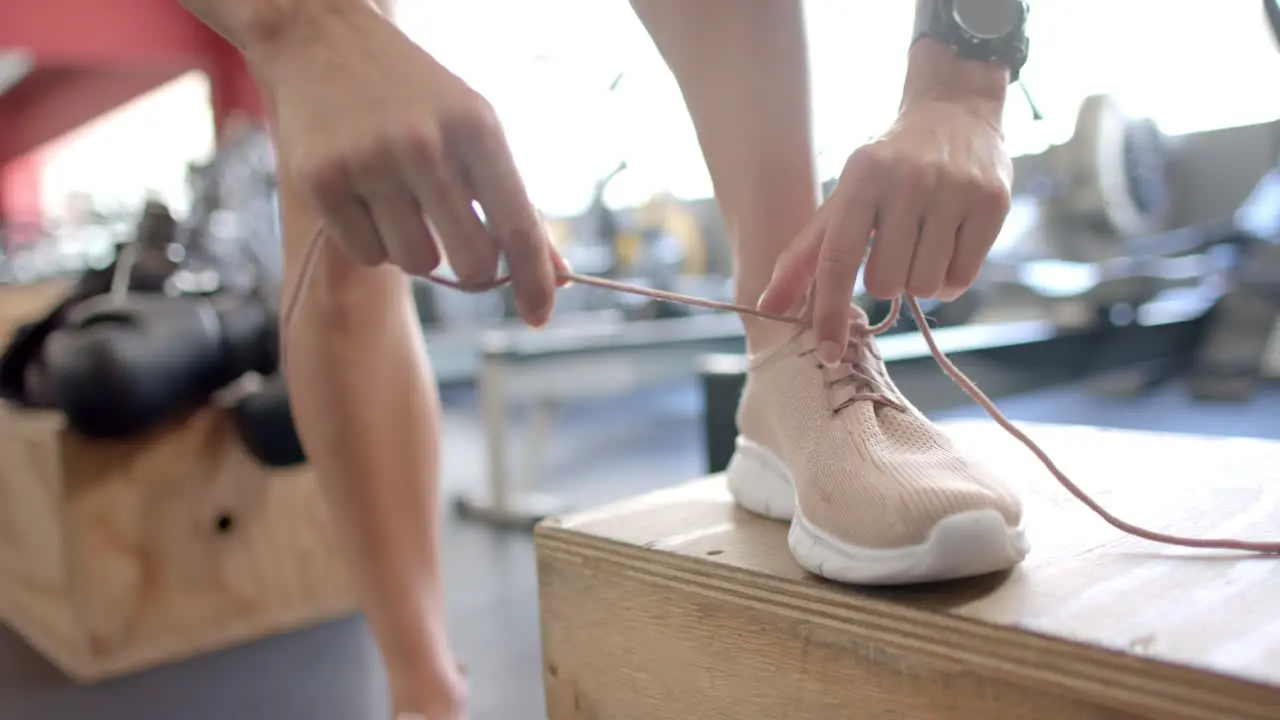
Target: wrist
[
  {"x": 935, "y": 73},
  {"x": 264, "y": 30}
]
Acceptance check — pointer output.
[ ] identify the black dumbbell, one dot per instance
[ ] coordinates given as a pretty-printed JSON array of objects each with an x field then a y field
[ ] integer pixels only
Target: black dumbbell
[
  {"x": 266, "y": 426},
  {"x": 119, "y": 367}
]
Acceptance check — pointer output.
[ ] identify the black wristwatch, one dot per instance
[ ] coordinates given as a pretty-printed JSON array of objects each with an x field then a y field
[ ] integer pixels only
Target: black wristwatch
[{"x": 986, "y": 30}]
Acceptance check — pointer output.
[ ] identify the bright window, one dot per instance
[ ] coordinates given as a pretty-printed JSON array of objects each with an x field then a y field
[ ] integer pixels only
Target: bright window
[
  {"x": 138, "y": 149},
  {"x": 546, "y": 66}
]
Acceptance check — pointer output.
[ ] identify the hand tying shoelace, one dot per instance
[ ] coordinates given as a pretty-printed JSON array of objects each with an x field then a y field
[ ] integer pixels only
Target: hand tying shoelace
[{"x": 867, "y": 387}]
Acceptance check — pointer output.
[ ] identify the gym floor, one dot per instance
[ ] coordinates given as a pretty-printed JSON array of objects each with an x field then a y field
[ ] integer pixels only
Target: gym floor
[{"x": 332, "y": 672}]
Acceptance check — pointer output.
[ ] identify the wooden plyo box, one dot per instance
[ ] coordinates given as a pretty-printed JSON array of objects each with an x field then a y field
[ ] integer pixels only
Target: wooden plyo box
[
  {"x": 20, "y": 304},
  {"x": 677, "y": 605},
  {"x": 116, "y": 556}
]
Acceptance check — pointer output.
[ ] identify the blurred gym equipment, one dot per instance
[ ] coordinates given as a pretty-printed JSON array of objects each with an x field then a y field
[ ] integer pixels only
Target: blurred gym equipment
[
  {"x": 1228, "y": 361},
  {"x": 144, "y": 267},
  {"x": 118, "y": 368},
  {"x": 1227, "y": 364},
  {"x": 184, "y": 311},
  {"x": 652, "y": 256},
  {"x": 658, "y": 245},
  {"x": 150, "y": 518},
  {"x": 538, "y": 371},
  {"x": 265, "y": 424},
  {"x": 1087, "y": 229},
  {"x": 1095, "y": 236},
  {"x": 33, "y": 254},
  {"x": 230, "y": 241},
  {"x": 1272, "y": 9}
]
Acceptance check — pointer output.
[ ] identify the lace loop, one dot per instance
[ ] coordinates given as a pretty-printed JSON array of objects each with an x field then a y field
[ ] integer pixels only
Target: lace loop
[{"x": 867, "y": 385}]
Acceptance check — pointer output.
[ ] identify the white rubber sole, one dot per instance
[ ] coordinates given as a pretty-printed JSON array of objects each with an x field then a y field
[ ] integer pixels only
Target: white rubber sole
[
  {"x": 963, "y": 545},
  {"x": 760, "y": 482},
  {"x": 966, "y": 544}
]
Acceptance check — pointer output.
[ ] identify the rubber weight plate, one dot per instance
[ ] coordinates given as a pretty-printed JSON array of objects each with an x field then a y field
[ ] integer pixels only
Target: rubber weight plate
[{"x": 1113, "y": 173}]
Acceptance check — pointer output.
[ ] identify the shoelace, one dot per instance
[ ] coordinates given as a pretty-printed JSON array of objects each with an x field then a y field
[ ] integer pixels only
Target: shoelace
[
  {"x": 857, "y": 344},
  {"x": 867, "y": 384}
]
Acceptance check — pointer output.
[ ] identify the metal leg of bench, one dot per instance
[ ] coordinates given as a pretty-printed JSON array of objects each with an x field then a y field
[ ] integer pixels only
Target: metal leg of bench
[
  {"x": 505, "y": 504},
  {"x": 538, "y": 427}
]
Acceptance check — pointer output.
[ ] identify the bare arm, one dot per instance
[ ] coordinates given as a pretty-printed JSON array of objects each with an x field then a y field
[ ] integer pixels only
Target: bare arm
[
  {"x": 255, "y": 26},
  {"x": 366, "y": 408},
  {"x": 361, "y": 390}
]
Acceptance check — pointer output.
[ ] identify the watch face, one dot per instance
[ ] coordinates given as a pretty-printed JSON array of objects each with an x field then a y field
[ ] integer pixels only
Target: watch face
[{"x": 987, "y": 19}]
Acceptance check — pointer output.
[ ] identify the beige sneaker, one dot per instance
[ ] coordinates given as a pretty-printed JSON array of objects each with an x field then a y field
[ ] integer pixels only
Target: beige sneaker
[{"x": 876, "y": 494}]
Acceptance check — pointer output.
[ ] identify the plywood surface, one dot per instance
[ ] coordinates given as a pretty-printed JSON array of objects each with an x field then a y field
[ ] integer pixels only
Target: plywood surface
[
  {"x": 20, "y": 304},
  {"x": 115, "y": 556},
  {"x": 1092, "y": 612}
]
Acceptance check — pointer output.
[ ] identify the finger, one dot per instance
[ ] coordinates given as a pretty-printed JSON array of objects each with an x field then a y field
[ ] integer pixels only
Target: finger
[
  {"x": 562, "y": 269},
  {"x": 844, "y": 245},
  {"x": 928, "y": 272},
  {"x": 897, "y": 232},
  {"x": 793, "y": 273},
  {"x": 513, "y": 223},
  {"x": 976, "y": 235},
  {"x": 973, "y": 241},
  {"x": 349, "y": 221},
  {"x": 559, "y": 266},
  {"x": 472, "y": 254},
  {"x": 405, "y": 236}
]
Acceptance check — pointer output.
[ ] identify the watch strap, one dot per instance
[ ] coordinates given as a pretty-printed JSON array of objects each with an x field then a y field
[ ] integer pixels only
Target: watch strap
[{"x": 934, "y": 20}]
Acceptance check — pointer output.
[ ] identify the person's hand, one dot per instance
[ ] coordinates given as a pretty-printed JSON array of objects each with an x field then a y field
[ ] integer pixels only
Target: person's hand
[
  {"x": 382, "y": 138},
  {"x": 933, "y": 192}
]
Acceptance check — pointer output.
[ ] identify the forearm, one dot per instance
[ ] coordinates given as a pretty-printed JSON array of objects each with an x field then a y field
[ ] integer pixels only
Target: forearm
[
  {"x": 936, "y": 73},
  {"x": 257, "y": 27},
  {"x": 743, "y": 70},
  {"x": 366, "y": 409}
]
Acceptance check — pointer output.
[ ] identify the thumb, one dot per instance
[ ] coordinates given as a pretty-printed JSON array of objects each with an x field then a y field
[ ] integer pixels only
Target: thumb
[
  {"x": 794, "y": 272},
  {"x": 561, "y": 268}
]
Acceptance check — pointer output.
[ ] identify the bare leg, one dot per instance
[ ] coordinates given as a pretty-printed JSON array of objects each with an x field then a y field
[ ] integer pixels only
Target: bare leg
[
  {"x": 365, "y": 402},
  {"x": 742, "y": 67}
]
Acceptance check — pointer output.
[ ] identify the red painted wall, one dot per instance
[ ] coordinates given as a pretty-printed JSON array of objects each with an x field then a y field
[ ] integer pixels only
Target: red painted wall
[
  {"x": 232, "y": 90},
  {"x": 92, "y": 33},
  {"x": 93, "y": 56},
  {"x": 53, "y": 102},
  {"x": 20, "y": 190}
]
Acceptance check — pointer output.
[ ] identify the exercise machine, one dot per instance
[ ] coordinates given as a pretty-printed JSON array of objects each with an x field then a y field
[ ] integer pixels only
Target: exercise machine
[
  {"x": 540, "y": 371},
  {"x": 1089, "y": 224},
  {"x": 1229, "y": 362},
  {"x": 185, "y": 311}
]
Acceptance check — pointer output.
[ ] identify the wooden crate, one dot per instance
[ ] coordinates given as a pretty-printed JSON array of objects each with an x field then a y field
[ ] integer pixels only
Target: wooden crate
[
  {"x": 679, "y": 605},
  {"x": 21, "y": 304},
  {"x": 115, "y": 556}
]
